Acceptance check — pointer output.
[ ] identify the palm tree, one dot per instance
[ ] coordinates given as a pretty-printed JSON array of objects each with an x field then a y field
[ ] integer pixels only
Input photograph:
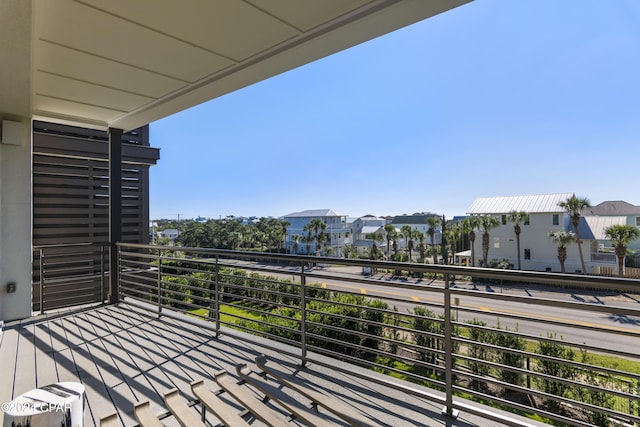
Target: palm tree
[
  {"x": 318, "y": 227},
  {"x": 421, "y": 249},
  {"x": 443, "y": 241},
  {"x": 433, "y": 222},
  {"x": 284, "y": 224},
  {"x": 453, "y": 233},
  {"x": 296, "y": 241},
  {"x": 408, "y": 233},
  {"x": 621, "y": 235},
  {"x": 562, "y": 239},
  {"x": 321, "y": 242},
  {"x": 574, "y": 205},
  {"x": 391, "y": 234},
  {"x": 487, "y": 223},
  {"x": 376, "y": 237},
  {"x": 468, "y": 226},
  {"x": 349, "y": 251},
  {"x": 516, "y": 218},
  {"x": 307, "y": 239}
]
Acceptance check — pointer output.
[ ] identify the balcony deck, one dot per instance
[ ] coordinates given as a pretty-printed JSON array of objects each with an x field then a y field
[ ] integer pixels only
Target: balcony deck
[{"x": 124, "y": 353}]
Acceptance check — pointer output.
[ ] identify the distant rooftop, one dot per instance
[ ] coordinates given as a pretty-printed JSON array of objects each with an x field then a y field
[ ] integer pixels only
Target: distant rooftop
[
  {"x": 617, "y": 207},
  {"x": 313, "y": 212},
  {"x": 413, "y": 219},
  {"x": 539, "y": 203}
]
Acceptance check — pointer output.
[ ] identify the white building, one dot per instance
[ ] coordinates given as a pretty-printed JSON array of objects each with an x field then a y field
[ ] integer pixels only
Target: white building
[
  {"x": 361, "y": 228},
  {"x": 419, "y": 223},
  {"x": 337, "y": 231},
  {"x": 170, "y": 233},
  {"x": 603, "y": 215},
  {"x": 537, "y": 250}
]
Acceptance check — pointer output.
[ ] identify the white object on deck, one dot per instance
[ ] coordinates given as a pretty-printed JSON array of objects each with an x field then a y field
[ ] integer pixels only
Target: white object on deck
[{"x": 53, "y": 405}]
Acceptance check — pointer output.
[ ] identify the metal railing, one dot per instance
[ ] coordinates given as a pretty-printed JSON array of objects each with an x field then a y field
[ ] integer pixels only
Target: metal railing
[
  {"x": 604, "y": 257},
  {"x": 531, "y": 342},
  {"x": 67, "y": 275}
]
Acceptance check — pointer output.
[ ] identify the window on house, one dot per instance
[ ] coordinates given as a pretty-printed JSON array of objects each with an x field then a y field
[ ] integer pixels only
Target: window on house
[
  {"x": 638, "y": 220},
  {"x": 504, "y": 219},
  {"x": 496, "y": 243},
  {"x": 526, "y": 220},
  {"x": 556, "y": 219},
  {"x": 527, "y": 254}
]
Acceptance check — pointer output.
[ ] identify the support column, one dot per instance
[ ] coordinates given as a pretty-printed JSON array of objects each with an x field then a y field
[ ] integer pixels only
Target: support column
[
  {"x": 115, "y": 209},
  {"x": 15, "y": 220}
]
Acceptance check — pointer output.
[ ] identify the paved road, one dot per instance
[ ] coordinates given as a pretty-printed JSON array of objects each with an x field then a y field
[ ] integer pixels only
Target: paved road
[{"x": 530, "y": 317}]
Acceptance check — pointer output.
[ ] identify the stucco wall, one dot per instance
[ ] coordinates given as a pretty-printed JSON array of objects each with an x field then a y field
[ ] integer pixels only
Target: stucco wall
[{"x": 15, "y": 226}]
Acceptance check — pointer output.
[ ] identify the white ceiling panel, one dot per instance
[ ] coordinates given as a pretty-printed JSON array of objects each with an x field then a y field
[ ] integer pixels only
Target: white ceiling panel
[
  {"x": 126, "y": 63},
  {"x": 233, "y": 29},
  {"x": 122, "y": 41},
  {"x": 70, "y": 112},
  {"x": 59, "y": 60},
  {"x": 308, "y": 14},
  {"x": 53, "y": 86}
]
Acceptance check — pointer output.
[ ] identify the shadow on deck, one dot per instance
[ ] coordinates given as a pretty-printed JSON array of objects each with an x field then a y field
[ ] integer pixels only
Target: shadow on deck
[{"x": 124, "y": 354}]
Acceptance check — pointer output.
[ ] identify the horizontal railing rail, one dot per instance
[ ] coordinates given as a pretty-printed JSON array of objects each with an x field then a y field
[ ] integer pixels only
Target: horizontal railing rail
[
  {"x": 561, "y": 347},
  {"x": 604, "y": 257}
]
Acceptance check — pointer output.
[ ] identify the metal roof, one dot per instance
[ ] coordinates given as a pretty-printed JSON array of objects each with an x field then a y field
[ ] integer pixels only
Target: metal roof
[
  {"x": 597, "y": 224},
  {"x": 124, "y": 64},
  {"x": 313, "y": 213},
  {"x": 370, "y": 229},
  {"x": 539, "y": 203}
]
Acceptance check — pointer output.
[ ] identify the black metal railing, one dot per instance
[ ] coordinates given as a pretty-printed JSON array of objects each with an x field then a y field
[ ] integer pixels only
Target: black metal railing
[
  {"x": 67, "y": 275},
  {"x": 563, "y": 348}
]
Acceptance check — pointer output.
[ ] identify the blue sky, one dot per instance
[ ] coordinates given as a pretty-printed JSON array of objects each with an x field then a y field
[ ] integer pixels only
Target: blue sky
[{"x": 494, "y": 98}]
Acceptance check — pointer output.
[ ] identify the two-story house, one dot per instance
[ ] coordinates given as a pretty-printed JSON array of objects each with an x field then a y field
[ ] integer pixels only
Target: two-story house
[
  {"x": 604, "y": 215},
  {"x": 363, "y": 227},
  {"x": 418, "y": 222},
  {"x": 302, "y": 241},
  {"x": 537, "y": 250}
]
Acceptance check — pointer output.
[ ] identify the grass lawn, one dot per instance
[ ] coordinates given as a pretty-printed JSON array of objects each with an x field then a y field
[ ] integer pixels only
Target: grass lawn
[{"x": 227, "y": 313}]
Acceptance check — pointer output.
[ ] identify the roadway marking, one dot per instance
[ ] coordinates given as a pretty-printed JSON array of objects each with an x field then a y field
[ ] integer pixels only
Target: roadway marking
[{"x": 567, "y": 322}]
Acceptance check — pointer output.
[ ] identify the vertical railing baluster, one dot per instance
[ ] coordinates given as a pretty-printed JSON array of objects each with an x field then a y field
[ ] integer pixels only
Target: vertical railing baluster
[
  {"x": 216, "y": 297},
  {"x": 448, "y": 352},
  {"x": 41, "y": 281},
  {"x": 102, "y": 295},
  {"x": 159, "y": 282},
  {"x": 303, "y": 315},
  {"x": 119, "y": 272}
]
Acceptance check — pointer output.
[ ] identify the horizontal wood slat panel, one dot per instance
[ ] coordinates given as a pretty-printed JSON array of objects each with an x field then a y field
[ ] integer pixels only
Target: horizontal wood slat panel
[{"x": 71, "y": 206}]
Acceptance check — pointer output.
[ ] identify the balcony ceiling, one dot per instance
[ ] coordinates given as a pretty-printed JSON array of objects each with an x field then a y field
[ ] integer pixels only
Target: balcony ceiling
[{"x": 123, "y": 63}]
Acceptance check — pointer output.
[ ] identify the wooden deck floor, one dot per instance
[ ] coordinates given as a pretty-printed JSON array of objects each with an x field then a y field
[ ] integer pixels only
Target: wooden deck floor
[{"x": 124, "y": 354}]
